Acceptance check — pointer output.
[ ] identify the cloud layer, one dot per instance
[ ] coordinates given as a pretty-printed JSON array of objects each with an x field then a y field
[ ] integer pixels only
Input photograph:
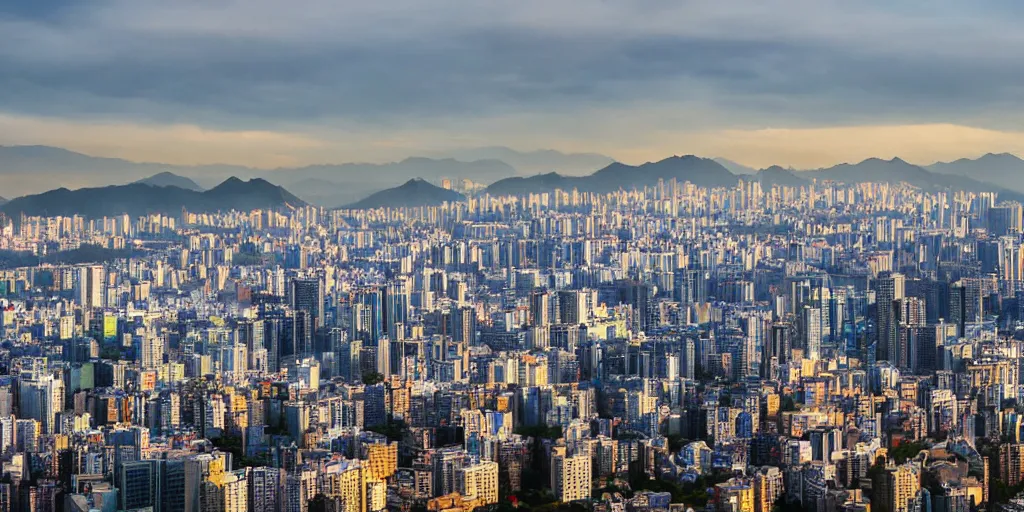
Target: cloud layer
[{"x": 377, "y": 80}]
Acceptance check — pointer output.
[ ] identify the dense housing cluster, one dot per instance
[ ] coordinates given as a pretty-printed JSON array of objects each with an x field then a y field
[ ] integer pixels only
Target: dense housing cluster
[{"x": 825, "y": 348}]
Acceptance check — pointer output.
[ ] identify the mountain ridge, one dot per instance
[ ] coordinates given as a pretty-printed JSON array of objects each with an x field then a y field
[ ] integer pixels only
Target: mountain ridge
[
  {"x": 1003, "y": 169},
  {"x": 28, "y": 170},
  {"x": 169, "y": 179},
  {"x": 138, "y": 199},
  {"x": 702, "y": 172},
  {"x": 412, "y": 193}
]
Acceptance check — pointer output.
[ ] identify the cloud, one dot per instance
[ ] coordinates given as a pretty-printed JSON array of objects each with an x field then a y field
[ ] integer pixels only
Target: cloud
[
  {"x": 172, "y": 144},
  {"x": 610, "y": 76}
]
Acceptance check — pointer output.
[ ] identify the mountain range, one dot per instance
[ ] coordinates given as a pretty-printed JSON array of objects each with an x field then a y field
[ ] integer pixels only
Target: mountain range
[
  {"x": 331, "y": 185},
  {"x": 366, "y": 185},
  {"x": 734, "y": 167},
  {"x": 535, "y": 162},
  {"x": 413, "y": 193},
  {"x": 776, "y": 175},
  {"x": 138, "y": 199},
  {"x": 169, "y": 179},
  {"x": 702, "y": 172},
  {"x": 32, "y": 169},
  {"x": 1001, "y": 169}
]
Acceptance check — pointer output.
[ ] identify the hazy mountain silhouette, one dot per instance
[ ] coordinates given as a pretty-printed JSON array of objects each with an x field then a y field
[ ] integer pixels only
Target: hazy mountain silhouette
[
  {"x": 140, "y": 199},
  {"x": 331, "y": 185},
  {"x": 169, "y": 179},
  {"x": 896, "y": 170},
  {"x": 734, "y": 167},
  {"x": 702, "y": 172},
  {"x": 541, "y": 161},
  {"x": 30, "y": 169},
  {"x": 776, "y": 175},
  {"x": 415, "y": 192},
  {"x": 1003, "y": 169}
]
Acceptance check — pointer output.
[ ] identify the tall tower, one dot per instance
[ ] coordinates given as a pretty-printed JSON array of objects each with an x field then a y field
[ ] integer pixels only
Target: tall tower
[
  {"x": 888, "y": 290},
  {"x": 308, "y": 295}
]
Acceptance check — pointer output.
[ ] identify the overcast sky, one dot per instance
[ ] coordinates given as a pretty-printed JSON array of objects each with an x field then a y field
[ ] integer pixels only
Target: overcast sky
[{"x": 805, "y": 83}]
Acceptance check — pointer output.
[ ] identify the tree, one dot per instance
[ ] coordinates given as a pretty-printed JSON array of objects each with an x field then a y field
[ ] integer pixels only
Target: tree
[
  {"x": 906, "y": 451},
  {"x": 540, "y": 431},
  {"x": 394, "y": 430},
  {"x": 788, "y": 404},
  {"x": 372, "y": 378}
]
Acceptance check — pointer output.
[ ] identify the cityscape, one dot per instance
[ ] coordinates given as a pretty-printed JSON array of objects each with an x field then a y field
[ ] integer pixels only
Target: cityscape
[
  {"x": 744, "y": 348},
  {"x": 497, "y": 256}
]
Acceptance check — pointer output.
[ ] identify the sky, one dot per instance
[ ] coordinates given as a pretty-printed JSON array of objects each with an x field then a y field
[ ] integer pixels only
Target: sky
[{"x": 801, "y": 83}]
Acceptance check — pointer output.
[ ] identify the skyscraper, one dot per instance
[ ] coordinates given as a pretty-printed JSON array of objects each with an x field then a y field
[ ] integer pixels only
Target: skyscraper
[
  {"x": 463, "y": 325},
  {"x": 308, "y": 295},
  {"x": 776, "y": 351},
  {"x": 570, "y": 475},
  {"x": 540, "y": 308},
  {"x": 396, "y": 314},
  {"x": 139, "y": 484},
  {"x": 479, "y": 481},
  {"x": 812, "y": 332},
  {"x": 888, "y": 289}
]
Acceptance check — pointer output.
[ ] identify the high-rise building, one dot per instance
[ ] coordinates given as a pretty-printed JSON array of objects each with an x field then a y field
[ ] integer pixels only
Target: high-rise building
[
  {"x": 92, "y": 286},
  {"x": 463, "y": 325},
  {"x": 367, "y": 316},
  {"x": 479, "y": 481},
  {"x": 346, "y": 482},
  {"x": 308, "y": 295},
  {"x": 812, "y": 332},
  {"x": 570, "y": 475},
  {"x": 264, "y": 489},
  {"x": 152, "y": 353},
  {"x": 299, "y": 488},
  {"x": 1011, "y": 463},
  {"x": 897, "y": 488},
  {"x": 172, "y": 486},
  {"x": 41, "y": 400},
  {"x": 349, "y": 365},
  {"x": 397, "y": 301},
  {"x": 446, "y": 464},
  {"x": 138, "y": 484},
  {"x": 572, "y": 307},
  {"x": 889, "y": 289},
  {"x": 689, "y": 359},
  {"x": 965, "y": 304},
  {"x": 540, "y": 308}
]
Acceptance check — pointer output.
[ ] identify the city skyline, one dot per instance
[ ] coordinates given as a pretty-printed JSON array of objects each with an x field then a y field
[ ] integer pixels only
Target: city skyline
[{"x": 511, "y": 256}]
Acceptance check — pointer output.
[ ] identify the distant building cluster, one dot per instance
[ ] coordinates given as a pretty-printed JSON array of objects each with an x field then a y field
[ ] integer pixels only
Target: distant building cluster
[{"x": 816, "y": 348}]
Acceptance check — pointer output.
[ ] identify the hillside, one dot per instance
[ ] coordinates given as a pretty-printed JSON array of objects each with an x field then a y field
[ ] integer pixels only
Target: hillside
[
  {"x": 139, "y": 199},
  {"x": 702, "y": 172},
  {"x": 1003, "y": 169},
  {"x": 735, "y": 168},
  {"x": 776, "y": 175},
  {"x": 415, "y": 192},
  {"x": 169, "y": 179},
  {"x": 541, "y": 161},
  {"x": 30, "y": 169},
  {"x": 331, "y": 185},
  {"x": 896, "y": 170}
]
